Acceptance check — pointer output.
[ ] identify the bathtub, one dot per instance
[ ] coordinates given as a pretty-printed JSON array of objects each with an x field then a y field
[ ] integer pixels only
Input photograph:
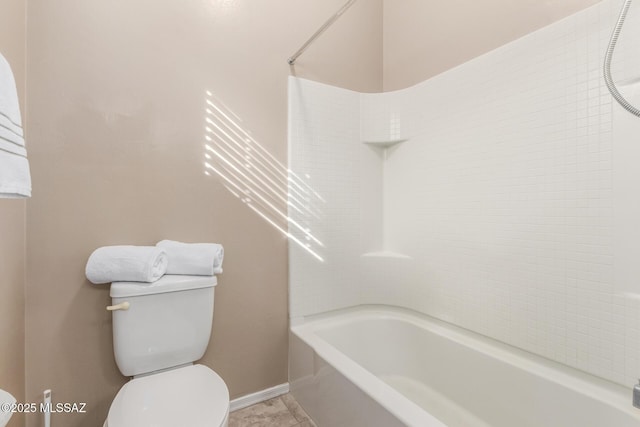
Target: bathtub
[{"x": 387, "y": 367}]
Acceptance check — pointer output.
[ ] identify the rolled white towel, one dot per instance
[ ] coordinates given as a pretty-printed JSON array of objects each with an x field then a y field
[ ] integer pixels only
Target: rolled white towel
[
  {"x": 199, "y": 259},
  {"x": 126, "y": 264}
]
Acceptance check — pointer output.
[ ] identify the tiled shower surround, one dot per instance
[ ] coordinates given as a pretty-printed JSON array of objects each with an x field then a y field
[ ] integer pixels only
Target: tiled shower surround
[{"x": 488, "y": 196}]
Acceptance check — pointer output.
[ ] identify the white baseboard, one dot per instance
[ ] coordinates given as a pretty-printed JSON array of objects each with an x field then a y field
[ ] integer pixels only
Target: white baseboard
[{"x": 259, "y": 396}]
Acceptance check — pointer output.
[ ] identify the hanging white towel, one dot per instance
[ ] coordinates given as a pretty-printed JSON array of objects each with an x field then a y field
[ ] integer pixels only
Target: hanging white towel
[
  {"x": 198, "y": 259},
  {"x": 15, "y": 178},
  {"x": 126, "y": 264}
]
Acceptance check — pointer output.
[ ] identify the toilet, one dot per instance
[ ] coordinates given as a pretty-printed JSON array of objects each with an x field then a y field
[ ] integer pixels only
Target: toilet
[{"x": 159, "y": 330}]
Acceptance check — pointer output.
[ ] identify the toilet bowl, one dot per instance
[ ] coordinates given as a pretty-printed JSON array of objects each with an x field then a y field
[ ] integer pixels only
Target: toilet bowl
[
  {"x": 159, "y": 330},
  {"x": 193, "y": 396}
]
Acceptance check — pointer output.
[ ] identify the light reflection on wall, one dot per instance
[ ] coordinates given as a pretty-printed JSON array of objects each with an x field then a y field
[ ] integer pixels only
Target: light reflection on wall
[
  {"x": 256, "y": 177},
  {"x": 218, "y": 7}
]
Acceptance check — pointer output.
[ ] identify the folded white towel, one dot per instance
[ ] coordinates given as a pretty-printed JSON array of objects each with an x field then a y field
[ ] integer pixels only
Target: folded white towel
[
  {"x": 126, "y": 264},
  {"x": 198, "y": 259},
  {"x": 15, "y": 178}
]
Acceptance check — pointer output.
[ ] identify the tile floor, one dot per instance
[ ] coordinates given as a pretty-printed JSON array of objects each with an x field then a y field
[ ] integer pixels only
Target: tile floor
[{"x": 282, "y": 411}]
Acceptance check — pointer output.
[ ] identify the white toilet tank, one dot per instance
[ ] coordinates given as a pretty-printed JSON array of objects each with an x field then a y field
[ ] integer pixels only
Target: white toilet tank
[{"x": 168, "y": 322}]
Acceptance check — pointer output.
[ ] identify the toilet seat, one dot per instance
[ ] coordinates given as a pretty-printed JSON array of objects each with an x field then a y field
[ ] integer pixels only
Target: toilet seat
[{"x": 192, "y": 396}]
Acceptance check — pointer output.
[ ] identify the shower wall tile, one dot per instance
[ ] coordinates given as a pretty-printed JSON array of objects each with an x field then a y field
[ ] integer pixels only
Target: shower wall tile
[
  {"x": 324, "y": 197},
  {"x": 502, "y": 197},
  {"x": 512, "y": 224}
]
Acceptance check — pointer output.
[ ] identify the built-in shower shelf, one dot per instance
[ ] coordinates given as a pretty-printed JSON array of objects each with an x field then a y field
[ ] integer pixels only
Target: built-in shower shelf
[
  {"x": 385, "y": 254},
  {"x": 384, "y": 143}
]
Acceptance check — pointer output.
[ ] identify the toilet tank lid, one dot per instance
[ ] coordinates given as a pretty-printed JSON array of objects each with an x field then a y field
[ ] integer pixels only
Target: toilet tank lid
[{"x": 168, "y": 283}]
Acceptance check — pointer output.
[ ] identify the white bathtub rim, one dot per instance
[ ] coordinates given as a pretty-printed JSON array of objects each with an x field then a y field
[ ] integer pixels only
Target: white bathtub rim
[
  {"x": 611, "y": 394},
  {"x": 390, "y": 399}
]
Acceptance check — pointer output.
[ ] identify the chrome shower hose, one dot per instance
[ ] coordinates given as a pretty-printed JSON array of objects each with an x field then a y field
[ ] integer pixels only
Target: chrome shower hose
[{"x": 607, "y": 62}]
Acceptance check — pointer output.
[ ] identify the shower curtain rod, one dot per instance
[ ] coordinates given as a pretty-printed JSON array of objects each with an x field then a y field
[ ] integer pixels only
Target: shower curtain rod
[{"x": 343, "y": 9}]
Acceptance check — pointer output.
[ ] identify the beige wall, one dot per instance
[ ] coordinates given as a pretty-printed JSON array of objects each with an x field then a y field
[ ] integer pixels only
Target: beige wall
[
  {"x": 12, "y": 226},
  {"x": 423, "y": 38},
  {"x": 116, "y": 124}
]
